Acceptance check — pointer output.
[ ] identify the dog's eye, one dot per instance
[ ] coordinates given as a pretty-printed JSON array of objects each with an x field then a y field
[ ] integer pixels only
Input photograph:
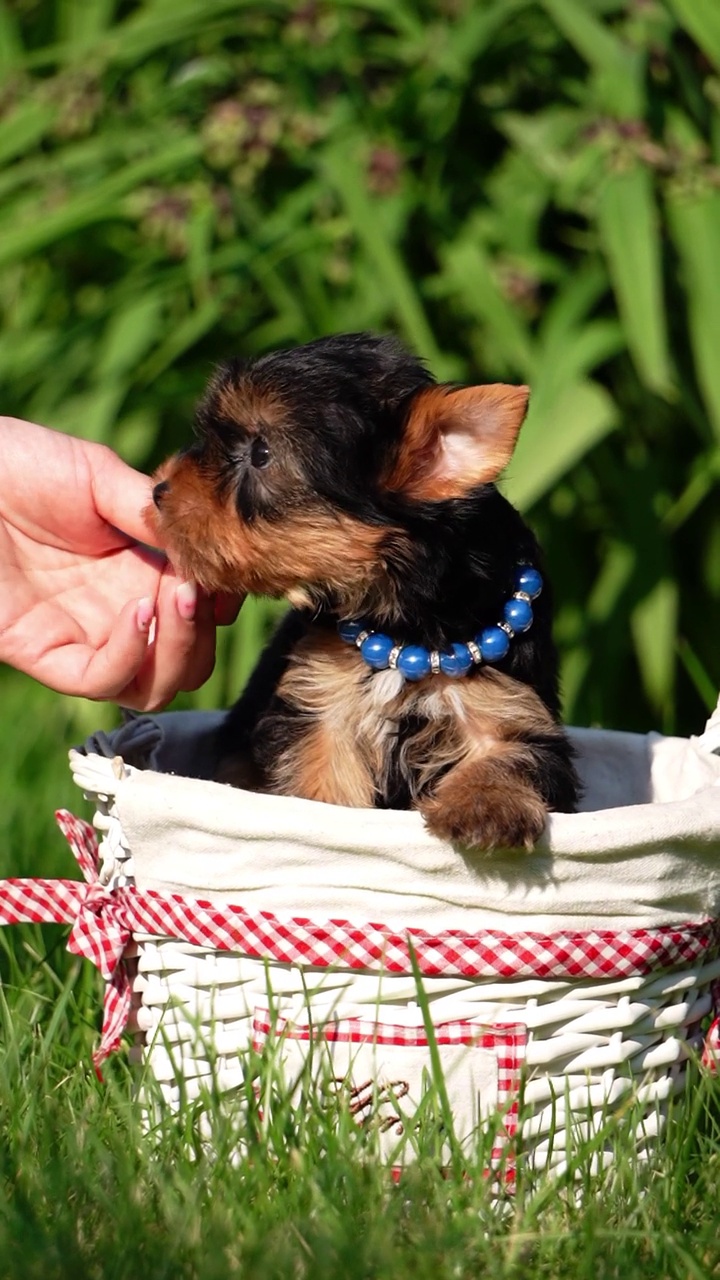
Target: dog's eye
[{"x": 259, "y": 453}]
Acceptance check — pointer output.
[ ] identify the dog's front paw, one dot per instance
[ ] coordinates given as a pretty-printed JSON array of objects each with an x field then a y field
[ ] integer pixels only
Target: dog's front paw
[{"x": 497, "y": 818}]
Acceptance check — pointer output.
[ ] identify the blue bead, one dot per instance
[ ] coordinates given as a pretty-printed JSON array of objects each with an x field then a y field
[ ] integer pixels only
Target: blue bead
[
  {"x": 528, "y": 580},
  {"x": 375, "y": 649},
  {"x": 349, "y": 631},
  {"x": 493, "y": 643},
  {"x": 414, "y": 662},
  {"x": 457, "y": 662},
  {"x": 519, "y": 614}
]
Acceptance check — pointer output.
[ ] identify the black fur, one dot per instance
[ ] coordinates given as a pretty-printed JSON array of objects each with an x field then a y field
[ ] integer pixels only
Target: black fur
[{"x": 453, "y": 567}]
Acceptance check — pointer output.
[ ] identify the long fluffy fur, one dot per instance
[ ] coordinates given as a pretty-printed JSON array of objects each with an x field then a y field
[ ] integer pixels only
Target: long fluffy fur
[{"x": 341, "y": 476}]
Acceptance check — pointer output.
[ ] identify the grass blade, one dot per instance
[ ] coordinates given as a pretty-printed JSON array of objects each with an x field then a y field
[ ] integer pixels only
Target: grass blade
[
  {"x": 629, "y": 231},
  {"x": 436, "y": 1070},
  {"x": 618, "y": 67},
  {"x": 555, "y": 438},
  {"x": 94, "y": 205},
  {"x": 654, "y": 628},
  {"x": 695, "y": 227},
  {"x": 11, "y": 48},
  {"x": 701, "y": 19},
  {"x": 344, "y": 174}
]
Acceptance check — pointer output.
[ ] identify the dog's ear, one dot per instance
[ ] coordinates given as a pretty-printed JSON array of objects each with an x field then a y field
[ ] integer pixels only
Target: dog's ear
[{"x": 456, "y": 438}]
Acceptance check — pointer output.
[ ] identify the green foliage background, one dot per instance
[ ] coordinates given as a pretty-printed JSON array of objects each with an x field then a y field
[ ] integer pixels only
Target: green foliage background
[{"x": 522, "y": 189}]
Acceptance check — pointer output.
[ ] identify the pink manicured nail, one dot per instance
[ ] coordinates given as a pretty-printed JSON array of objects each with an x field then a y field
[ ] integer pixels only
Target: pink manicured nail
[
  {"x": 144, "y": 614},
  {"x": 186, "y": 597}
]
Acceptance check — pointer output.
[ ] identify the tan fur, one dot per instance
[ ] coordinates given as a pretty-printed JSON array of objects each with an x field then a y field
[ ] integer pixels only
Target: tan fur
[
  {"x": 340, "y": 758},
  {"x": 327, "y": 766},
  {"x": 464, "y": 766},
  {"x": 252, "y": 407},
  {"x": 208, "y": 542}
]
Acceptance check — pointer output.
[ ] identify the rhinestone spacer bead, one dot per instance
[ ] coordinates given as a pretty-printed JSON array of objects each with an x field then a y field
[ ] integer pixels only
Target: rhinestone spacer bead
[{"x": 393, "y": 656}]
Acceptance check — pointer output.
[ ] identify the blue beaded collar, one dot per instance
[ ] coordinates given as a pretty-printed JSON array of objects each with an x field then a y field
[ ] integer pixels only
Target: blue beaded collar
[{"x": 414, "y": 661}]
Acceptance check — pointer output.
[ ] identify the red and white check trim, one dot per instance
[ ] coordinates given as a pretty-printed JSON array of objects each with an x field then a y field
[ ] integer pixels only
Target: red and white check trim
[
  {"x": 711, "y": 1051},
  {"x": 506, "y": 1041},
  {"x": 104, "y": 923}
]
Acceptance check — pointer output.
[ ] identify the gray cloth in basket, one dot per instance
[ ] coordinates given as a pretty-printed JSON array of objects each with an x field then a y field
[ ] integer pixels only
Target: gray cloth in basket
[{"x": 181, "y": 742}]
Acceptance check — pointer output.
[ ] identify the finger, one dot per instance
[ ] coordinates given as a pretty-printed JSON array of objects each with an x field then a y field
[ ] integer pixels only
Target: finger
[
  {"x": 227, "y": 609},
  {"x": 105, "y": 673},
  {"x": 182, "y": 655},
  {"x": 202, "y": 658},
  {"x": 122, "y": 496}
]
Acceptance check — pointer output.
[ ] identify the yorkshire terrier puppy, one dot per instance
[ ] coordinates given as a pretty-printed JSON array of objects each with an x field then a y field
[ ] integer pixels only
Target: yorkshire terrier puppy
[{"x": 416, "y": 668}]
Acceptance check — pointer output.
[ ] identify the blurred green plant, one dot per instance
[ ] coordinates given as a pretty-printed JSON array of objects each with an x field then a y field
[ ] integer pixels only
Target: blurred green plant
[{"x": 523, "y": 189}]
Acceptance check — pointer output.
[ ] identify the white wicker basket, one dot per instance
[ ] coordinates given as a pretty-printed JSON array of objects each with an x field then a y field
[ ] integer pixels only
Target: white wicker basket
[{"x": 560, "y": 983}]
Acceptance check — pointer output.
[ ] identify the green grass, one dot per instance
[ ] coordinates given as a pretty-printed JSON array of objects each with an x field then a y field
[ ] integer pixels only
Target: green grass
[{"x": 85, "y": 1191}]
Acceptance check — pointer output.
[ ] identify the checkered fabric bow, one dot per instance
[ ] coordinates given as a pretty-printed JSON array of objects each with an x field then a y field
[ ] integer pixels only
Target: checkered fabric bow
[{"x": 100, "y": 931}]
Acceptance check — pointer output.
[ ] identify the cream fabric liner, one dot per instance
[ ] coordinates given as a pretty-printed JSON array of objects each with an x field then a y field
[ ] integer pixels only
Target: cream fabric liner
[{"x": 655, "y": 860}]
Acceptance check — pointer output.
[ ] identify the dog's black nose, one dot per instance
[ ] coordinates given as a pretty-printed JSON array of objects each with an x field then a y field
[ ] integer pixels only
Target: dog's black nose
[{"x": 159, "y": 490}]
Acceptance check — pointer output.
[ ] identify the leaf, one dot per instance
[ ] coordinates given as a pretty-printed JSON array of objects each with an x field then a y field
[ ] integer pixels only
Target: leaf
[
  {"x": 95, "y": 204},
  {"x": 654, "y": 628},
  {"x": 92, "y": 413},
  {"x": 144, "y": 32},
  {"x": 701, "y": 19},
  {"x": 134, "y": 435},
  {"x": 695, "y": 227},
  {"x": 544, "y": 136},
  {"x": 617, "y": 568},
  {"x": 80, "y": 24},
  {"x": 344, "y": 174},
  {"x": 470, "y": 34},
  {"x": 630, "y": 235},
  {"x": 11, "y": 47},
  {"x": 468, "y": 269},
  {"x": 575, "y": 356},
  {"x": 183, "y": 334},
  {"x": 705, "y": 686},
  {"x": 619, "y": 79},
  {"x": 554, "y": 440},
  {"x": 130, "y": 333},
  {"x": 24, "y": 127}
]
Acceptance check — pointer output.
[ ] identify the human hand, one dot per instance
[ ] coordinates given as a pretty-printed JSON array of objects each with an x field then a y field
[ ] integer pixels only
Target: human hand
[{"x": 77, "y": 595}]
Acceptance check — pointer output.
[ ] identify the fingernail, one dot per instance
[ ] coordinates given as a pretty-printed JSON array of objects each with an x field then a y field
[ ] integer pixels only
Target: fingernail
[
  {"x": 186, "y": 597},
  {"x": 144, "y": 614}
]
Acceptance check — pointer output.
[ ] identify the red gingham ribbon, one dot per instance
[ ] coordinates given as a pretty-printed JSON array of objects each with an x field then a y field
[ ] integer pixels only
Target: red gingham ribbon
[
  {"x": 100, "y": 930},
  {"x": 104, "y": 922},
  {"x": 711, "y": 1051},
  {"x": 506, "y": 1041}
]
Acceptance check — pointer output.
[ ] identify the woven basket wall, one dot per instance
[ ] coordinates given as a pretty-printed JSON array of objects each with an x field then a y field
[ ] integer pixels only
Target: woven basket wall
[{"x": 556, "y": 1030}]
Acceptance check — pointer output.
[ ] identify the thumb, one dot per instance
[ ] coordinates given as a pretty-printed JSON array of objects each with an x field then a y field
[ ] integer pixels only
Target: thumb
[{"x": 123, "y": 496}]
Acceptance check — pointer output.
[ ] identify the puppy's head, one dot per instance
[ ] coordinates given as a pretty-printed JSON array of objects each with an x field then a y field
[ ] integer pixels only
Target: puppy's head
[{"x": 317, "y": 471}]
